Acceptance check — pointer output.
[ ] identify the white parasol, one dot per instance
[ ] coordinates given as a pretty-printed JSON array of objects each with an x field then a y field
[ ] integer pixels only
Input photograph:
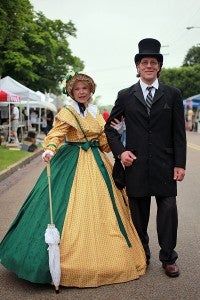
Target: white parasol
[{"x": 52, "y": 238}]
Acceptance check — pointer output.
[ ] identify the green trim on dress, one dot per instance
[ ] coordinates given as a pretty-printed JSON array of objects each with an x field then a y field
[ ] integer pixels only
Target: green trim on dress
[
  {"x": 51, "y": 145},
  {"x": 23, "y": 249}
]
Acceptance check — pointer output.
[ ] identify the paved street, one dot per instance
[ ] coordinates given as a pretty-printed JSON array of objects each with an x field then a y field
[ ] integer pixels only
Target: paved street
[{"x": 154, "y": 284}]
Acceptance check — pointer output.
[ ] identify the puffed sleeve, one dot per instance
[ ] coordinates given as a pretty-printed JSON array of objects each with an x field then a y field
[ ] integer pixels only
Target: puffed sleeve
[{"x": 56, "y": 135}]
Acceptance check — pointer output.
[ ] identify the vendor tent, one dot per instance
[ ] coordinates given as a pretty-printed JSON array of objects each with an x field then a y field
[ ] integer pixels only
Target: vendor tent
[
  {"x": 19, "y": 89},
  {"x": 193, "y": 101},
  {"x": 9, "y": 84},
  {"x": 41, "y": 104},
  {"x": 45, "y": 97},
  {"x": 29, "y": 98},
  {"x": 8, "y": 97},
  {"x": 195, "y": 98}
]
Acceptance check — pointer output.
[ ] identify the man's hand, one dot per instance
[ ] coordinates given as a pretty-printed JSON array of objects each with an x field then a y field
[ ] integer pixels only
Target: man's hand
[
  {"x": 179, "y": 174},
  {"x": 127, "y": 158}
]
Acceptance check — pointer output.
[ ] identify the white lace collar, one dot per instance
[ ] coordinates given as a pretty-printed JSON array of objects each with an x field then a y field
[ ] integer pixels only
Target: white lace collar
[{"x": 92, "y": 109}]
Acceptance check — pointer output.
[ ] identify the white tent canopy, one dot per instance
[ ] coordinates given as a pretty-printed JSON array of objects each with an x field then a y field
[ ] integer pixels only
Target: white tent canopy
[
  {"x": 28, "y": 97},
  {"x": 40, "y": 104},
  {"x": 44, "y": 97},
  {"x": 9, "y": 84}
]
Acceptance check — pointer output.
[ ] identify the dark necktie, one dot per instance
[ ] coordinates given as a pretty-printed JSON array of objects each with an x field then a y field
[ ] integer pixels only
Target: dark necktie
[{"x": 149, "y": 99}]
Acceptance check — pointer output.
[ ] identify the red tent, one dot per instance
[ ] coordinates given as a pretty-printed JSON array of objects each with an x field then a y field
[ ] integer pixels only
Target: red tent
[{"x": 8, "y": 97}]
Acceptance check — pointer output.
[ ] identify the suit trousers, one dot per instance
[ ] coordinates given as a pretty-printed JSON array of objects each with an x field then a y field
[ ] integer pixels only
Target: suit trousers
[{"x": 166, "y": 221}]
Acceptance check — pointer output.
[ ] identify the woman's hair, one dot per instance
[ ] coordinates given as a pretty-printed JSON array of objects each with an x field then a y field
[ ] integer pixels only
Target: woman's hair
[{"x": 74, "y": 77}]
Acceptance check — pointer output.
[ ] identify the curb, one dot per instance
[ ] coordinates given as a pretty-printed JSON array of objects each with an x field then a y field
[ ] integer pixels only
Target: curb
[{"x": 21, "y": 163}]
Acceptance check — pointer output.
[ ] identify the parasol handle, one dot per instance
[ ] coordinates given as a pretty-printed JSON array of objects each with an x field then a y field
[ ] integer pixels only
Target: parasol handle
[{"x": 49, "y": 186}]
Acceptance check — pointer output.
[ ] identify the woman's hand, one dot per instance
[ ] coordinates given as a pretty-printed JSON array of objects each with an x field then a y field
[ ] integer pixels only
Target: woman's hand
[
  {"x": 115, "y": 122},
  {"x": 118, "y": 125},
  {"x": 47, "y": 155}
]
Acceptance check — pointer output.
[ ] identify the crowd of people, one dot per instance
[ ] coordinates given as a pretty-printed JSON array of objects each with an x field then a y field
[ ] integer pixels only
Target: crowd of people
[
  {"x": 16, "y": 127},
  {"x": 104, "y": 230}
]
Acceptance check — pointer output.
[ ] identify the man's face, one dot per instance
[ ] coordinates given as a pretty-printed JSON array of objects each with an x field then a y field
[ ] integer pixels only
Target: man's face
[{"x": 148, "y": 68}]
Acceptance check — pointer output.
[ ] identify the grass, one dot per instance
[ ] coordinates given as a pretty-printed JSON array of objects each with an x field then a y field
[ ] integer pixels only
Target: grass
[{"x": 10, "y": 156}]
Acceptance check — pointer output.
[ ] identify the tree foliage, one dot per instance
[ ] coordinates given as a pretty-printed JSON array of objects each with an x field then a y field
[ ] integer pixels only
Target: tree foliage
[
  {"x": 187, "y": 79},
  {"x": 16, "y": 19},
  {"x": 34, "y": 49},
  {"x": 192, "y": 58}
]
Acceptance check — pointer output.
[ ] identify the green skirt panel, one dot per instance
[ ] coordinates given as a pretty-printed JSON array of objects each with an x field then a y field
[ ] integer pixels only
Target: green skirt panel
[{"x": 23, "y": 249}]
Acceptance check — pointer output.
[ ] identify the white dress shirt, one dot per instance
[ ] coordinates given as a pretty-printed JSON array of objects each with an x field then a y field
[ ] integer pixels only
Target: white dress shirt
[{"x": 144, "y": 86}]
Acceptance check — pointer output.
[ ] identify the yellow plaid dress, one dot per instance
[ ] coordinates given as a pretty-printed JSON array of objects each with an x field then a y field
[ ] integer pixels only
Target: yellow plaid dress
[
  {"x": 93, "y": 250},
  {"x": 99, "y": 244}
]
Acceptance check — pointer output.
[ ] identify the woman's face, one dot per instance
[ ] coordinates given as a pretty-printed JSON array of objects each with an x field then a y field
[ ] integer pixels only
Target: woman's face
[{"x": 81, "y": 92}]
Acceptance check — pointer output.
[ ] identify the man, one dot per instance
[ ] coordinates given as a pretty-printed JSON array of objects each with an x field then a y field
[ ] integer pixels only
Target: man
[
  {"x": 155, "y": 152},
  {"x": 14, "y": 122}
]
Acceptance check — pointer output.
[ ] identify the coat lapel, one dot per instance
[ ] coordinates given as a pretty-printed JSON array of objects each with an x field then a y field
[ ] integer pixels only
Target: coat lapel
[
  {"x": 138, "y": 93},
  {"x": 159, "y": 93}
]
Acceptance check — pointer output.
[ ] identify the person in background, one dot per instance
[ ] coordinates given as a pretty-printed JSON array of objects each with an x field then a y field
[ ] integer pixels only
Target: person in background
[
  {"x": 155, "y": 152},
  {"x": 29, "y": 143},
  {"x": 4, "y": 114},
  {"x": 14, "y": 122},
  {"x": 105, "y": 114},
  {"x": 190, "y": 118},
  {"x": 34, "y": 118},
  {"x": 25, "y": 114},
  {"x": 43, "y": 121},
  {"x": 99, "y": 244},
  {"x": 5, "y": 130},
  {"x": 49, "y": 119}
]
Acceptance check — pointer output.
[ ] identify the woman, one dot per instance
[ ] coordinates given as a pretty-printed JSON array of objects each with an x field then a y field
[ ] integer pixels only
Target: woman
[{"x": 99, "y": 244}]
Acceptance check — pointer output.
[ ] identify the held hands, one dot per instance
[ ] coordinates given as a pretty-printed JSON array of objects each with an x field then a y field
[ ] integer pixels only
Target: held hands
[
  {"x": 127, "y": 158},
  {"x": 179, "y": 174},
  {"x": 47, "y": 155}
]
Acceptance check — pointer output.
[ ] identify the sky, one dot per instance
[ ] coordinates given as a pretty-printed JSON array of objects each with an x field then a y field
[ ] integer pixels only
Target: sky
[{"x": 108, "y": 32}]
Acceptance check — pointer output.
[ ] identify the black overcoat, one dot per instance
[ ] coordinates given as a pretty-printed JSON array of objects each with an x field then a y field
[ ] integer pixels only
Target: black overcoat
[{"x": 158, "y": 140}]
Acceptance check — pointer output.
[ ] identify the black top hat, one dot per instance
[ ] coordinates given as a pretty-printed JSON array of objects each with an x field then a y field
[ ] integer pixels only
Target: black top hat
[{"x": 149, "y": 47}]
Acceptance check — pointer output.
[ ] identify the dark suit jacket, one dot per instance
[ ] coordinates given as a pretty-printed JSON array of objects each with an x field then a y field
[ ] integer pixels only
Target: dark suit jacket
[{"x": 158, "y": 141}]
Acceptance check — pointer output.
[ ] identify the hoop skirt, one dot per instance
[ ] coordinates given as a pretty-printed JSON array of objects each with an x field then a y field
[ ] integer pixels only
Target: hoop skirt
[{"x": 99, "y": 244}]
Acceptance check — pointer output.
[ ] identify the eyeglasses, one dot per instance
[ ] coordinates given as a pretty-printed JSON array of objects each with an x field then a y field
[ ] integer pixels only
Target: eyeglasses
[{"x": 152, "y": 63}]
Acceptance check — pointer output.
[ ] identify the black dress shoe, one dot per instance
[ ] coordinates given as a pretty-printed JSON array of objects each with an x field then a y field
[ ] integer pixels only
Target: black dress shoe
[{"x": 171, "y": 270}]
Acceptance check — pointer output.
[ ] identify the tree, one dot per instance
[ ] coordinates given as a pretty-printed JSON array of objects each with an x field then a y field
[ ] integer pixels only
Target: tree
[
  {"x": 192, "y": 57},
  {"x": 187, "y": 79},
  {"x": 34, "y": 49},
  {"x": 54, "y": 51},
  {"x": 16, "y": 18}
]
